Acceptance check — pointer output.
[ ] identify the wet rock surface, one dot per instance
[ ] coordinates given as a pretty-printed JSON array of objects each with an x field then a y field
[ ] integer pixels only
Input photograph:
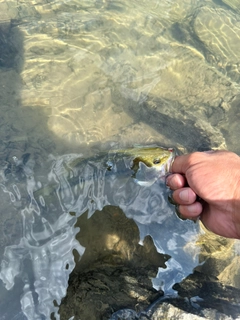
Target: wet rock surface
[
  {"x": 205, "y": 292},
  {"x": 98, "y": 293},
  {"x": 199, "y": 296},
  {"x": 113, "y": 278},
  {"x": 115, "y": 271},
  {"x": 122, "y": 273}
]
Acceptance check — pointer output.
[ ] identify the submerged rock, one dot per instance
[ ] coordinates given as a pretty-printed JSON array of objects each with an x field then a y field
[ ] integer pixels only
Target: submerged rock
[
  {"x": 231, "y": 274},
  {"x": 209, "y": 297},
  {"x": 180, "y": 309},
  {"x": 115, "y": 271},
  {"x": 168, "y": 118}
]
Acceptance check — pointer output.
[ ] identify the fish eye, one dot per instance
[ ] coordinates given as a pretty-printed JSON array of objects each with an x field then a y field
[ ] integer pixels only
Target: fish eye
[{"x": 156, "y": 161}]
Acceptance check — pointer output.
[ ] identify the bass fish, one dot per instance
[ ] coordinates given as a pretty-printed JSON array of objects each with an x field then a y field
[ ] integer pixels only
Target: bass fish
[
  {"x": 158, "y": 157},
  {"x": 144, "y": 164},
  {"x": 153, "y": 157}
]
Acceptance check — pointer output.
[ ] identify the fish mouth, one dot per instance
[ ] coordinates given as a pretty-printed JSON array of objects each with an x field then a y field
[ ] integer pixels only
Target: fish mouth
[{"x": 172, "y": 158}]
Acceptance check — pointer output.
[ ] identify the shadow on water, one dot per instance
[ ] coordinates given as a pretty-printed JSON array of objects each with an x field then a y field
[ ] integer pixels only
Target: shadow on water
[
  {"x": 183, "y": 131},
  {"x": 11, "y": 62},
  {"x": 24, "y": 138}
]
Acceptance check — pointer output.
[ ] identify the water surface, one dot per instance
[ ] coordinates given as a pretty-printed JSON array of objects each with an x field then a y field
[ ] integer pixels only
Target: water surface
[{"x": 80, "y": 77}]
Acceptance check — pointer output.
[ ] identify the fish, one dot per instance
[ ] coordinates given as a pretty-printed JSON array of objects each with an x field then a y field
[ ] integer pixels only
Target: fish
[
  {"x": 155, "y": 160},
  {"x": 144, "y": 164},
  {"x": 160, "y": 158}
]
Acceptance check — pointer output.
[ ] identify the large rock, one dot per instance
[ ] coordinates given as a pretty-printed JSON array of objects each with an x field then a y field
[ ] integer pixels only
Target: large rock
[
  {"x": 115, "y": 271},
  {"x": 231, "y": 274},
  {"x": 170, "y": 311}
]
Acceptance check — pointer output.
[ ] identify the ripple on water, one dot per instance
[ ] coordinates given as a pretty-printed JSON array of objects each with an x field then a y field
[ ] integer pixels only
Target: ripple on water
[
  {"x": 219, "y": 31},
  {"x": 49, "y": 231},
  {"x": 96, "y": 71}
]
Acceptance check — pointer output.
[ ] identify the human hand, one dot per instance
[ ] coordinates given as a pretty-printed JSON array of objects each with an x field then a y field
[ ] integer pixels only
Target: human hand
[{"x": 215, "y": 177}]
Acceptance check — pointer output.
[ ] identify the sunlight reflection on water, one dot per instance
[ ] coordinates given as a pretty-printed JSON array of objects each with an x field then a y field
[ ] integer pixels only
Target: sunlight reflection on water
[
  {"x": 49, "y": 243},
  {"x": 86, "y": 76}
]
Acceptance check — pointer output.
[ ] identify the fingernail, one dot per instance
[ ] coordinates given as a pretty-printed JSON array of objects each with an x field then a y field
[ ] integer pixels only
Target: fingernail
[
  {"x": 184, "y": 195},
  {"x": 168, "y": 181}
]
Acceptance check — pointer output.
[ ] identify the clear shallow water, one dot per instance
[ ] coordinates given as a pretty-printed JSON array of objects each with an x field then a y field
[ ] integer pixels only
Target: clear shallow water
[{"x": 83, "y": 77}]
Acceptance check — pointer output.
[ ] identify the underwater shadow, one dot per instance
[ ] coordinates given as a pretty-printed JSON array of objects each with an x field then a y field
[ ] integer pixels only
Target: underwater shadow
[{"x": 182, "y": 130}]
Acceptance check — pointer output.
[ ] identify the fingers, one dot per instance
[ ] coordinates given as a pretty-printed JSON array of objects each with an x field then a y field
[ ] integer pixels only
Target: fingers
[
  {"x": 188, "y": 207},
  {"x": 192, "y": 211},
  {"x": 180, "y": 164},
  {"x": 176, "y": 181},
  {"x": 184, "y": 196}
]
